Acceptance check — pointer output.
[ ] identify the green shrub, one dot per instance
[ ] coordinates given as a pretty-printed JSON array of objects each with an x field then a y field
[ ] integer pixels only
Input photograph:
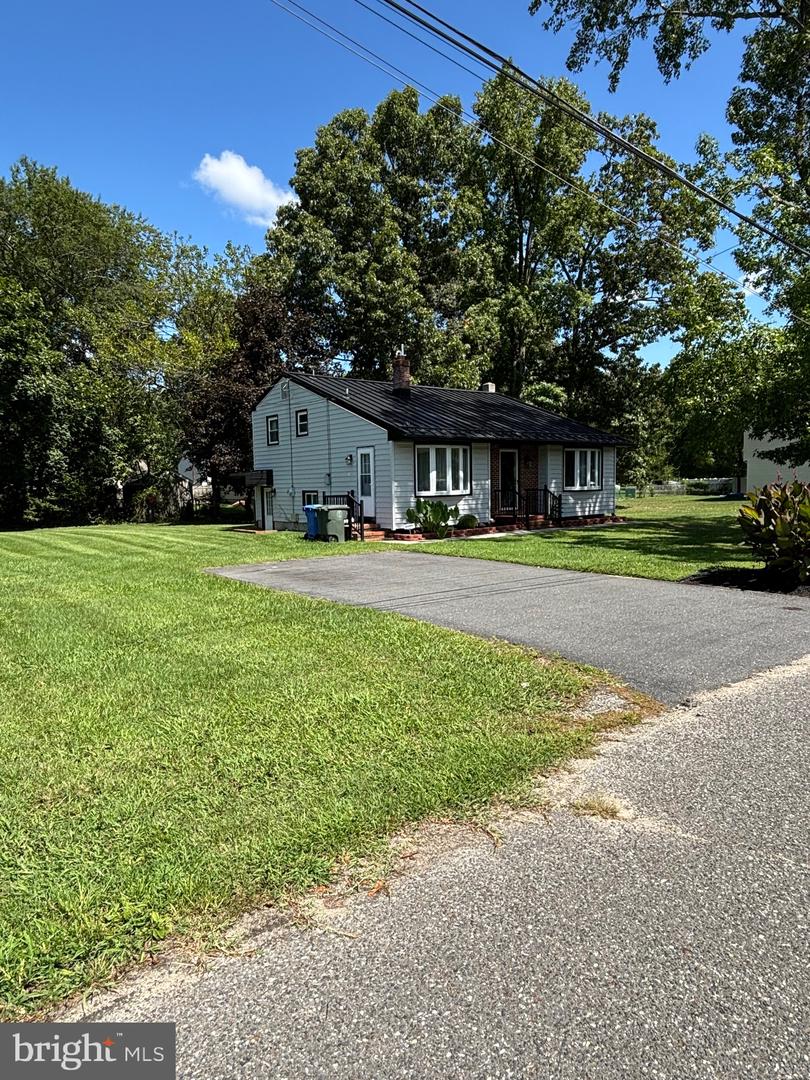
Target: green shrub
[
  {"x": 432, "y": 517},
  {"x": 467, "y": 521},
  {"x": 776, "y": 523}
]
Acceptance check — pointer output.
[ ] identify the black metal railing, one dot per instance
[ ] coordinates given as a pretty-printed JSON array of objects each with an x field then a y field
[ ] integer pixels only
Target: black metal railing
[
  {"x": 522, "y": 506},
  {"x": 355, "y": 520},
  {"x": 506, "y": 503},
  {"x": 554, "y": 507}
]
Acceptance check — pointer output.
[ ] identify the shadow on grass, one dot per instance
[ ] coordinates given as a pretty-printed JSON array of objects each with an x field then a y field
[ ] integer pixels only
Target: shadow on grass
[{"x": 684, "y": 539}]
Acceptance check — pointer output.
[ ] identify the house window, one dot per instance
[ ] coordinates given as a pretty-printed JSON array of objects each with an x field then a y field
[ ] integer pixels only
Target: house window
[
  {"x": 309, "y": 497},
  {"x": 272, "y": 430},
  {"x": 301, "y": 422},
  {"x": 583, "y": 470},
  {"x": 442, "y": 470}
]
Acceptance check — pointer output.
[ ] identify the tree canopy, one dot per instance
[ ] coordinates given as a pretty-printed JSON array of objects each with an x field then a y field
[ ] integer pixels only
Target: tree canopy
[
  {"x": 768, "y": 166},
  {"x": 519, "y": 247}
]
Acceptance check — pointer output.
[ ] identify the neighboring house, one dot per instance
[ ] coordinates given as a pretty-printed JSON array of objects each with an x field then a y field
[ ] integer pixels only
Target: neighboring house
[
  {"x": 761, "y": 471},
  {"x": 197, "y": 485},
  {"x": 316, "y": 436}
]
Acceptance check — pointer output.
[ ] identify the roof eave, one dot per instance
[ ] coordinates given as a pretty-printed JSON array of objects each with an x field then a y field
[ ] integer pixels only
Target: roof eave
[{"x": 344, "y": 403}]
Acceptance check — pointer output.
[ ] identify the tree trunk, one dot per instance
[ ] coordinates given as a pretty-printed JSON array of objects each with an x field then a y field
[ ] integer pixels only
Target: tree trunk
[{"x": 216, "y": 495}]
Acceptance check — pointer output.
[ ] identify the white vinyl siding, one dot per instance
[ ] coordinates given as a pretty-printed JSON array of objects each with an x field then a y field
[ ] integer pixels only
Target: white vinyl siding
[
  {"x": 761, "y": 471},
  {"x": 317, "y": 462},
  {"x": 588, "y": 502},
  {"x": 406, "y": 463}
]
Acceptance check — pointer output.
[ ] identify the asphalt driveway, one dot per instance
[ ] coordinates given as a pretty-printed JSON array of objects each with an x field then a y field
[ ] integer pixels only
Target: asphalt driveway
[
  {"x": 667, "y": 639},
  {"x": 671, "y": 943}
]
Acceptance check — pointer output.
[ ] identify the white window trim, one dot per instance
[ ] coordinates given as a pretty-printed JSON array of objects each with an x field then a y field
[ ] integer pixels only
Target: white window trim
[
  {"x": 433, "y": 447},
  {"x": 298, "y": 414},
  {"x": 601, "y": 465},
  {"x": 309, "y": 491}
]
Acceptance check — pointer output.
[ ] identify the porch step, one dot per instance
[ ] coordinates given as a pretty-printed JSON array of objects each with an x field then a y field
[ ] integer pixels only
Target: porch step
[{"x": 373, "y": 534}]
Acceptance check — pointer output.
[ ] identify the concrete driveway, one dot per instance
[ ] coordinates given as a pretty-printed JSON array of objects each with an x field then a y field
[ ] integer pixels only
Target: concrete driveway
[{"x": 667, "y": 639}]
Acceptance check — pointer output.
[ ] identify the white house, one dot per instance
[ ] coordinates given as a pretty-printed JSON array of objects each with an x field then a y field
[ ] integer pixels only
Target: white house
[
  {"x": 317, "y": 438},
  {"x": 761, "y": 471}
]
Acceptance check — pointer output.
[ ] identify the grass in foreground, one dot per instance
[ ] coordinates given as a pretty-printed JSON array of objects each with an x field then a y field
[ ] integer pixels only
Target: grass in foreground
[
  {"x": 667, "y": 537},
  {"x": 175, "y": 746}
]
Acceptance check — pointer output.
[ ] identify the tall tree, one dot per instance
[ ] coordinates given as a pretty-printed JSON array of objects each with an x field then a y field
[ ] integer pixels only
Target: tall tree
[
  {"x": 109, "y": 313},
  {"x": 769, "y": 111},
  {"x": 374, "y": 244},
  {"x": 712, "y": 388},
  {"x": 493, "y": 250},
  {"x": 93, "y": 280},
  {"x": 586, "y": 262},
  {"x": 33, "y": 442},
  {"x": 214, "y": 402}
]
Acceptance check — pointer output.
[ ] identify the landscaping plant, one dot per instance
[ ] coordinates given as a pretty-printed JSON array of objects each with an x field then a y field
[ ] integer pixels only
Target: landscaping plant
[
  {"x": 432, "y": 517},
  {"x": 776, "y": 523}
]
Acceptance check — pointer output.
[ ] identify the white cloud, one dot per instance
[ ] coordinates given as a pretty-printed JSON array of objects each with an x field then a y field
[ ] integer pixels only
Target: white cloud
[{"x": 242, "y": 186}]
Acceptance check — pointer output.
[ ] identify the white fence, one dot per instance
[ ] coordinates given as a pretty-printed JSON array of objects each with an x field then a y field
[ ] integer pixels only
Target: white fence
[{"x": 708, "y": 485}]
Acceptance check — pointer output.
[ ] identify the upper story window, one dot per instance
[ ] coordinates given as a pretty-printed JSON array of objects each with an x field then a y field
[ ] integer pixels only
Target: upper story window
[
  {"x": 301, "y": 422},
  {"x": 442, "y": 470},
  {"x": 583, "y": 470},
  {"x": 272, "y": 430}
]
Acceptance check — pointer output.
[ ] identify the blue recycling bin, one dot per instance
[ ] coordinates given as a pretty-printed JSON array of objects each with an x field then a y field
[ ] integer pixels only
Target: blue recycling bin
[{"x": 311, "y": 512}]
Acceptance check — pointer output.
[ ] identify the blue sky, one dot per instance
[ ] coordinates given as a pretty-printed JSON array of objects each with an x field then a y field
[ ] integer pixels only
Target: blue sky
[{"x": 129, "y": 99}]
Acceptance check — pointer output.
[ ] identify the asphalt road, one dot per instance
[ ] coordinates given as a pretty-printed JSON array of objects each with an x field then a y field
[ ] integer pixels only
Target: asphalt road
[
  {"x": 669, "y": 945},
  {"x": 667, "y": 639}
]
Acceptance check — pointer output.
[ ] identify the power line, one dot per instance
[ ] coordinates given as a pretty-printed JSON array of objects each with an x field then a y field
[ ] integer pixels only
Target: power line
[
  {"x": 358, "y": 49},
  {"x": 404, "y": 30},
  {"x": 478, "y": 75},
  {"x": 499, "y": 64}
]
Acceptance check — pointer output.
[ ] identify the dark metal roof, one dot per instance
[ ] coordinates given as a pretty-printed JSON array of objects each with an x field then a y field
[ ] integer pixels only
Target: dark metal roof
[{"x": 433, "y": 412}]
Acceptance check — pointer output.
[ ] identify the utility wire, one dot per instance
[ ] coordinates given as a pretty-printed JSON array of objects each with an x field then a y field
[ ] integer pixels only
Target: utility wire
[
  {"x": 499, "y": 64},
  {"x": 479, "y": 76},
  {"x": 356, "y": 48}
]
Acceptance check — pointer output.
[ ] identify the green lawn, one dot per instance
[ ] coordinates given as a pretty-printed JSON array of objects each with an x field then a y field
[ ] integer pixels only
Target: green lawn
[
  {"x": 665, "y": 537},
  {"x": 175, "y": 746}
]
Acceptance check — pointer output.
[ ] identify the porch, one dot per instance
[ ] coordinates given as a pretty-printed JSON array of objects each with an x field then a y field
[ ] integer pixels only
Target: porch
[
  {"x": 519, "y": 491},
  {"x": 528, "y": 508}
]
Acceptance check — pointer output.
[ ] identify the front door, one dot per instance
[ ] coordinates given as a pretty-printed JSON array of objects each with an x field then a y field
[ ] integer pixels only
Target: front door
[
  {"x": 365, "y": 480},
  {"x": 268, "y": 508},
  {"x": 509, "y": 479}
]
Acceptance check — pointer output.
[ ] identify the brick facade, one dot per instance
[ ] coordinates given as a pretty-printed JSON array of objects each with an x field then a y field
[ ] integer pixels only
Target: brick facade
[{"x": 528, "y": 473}]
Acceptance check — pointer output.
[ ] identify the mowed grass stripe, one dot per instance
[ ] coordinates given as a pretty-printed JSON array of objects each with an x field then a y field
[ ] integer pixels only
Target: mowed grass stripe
[{"x": 176, "y": 747}]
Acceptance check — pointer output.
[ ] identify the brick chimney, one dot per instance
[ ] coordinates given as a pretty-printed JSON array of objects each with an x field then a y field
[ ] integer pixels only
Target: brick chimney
[{"x": 401, "y": 382}]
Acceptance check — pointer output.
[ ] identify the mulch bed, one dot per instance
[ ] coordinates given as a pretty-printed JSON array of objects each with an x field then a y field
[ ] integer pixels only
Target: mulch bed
[
  {"x": 535, "y": 526},
  {"x": 754, "y": 580}
]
